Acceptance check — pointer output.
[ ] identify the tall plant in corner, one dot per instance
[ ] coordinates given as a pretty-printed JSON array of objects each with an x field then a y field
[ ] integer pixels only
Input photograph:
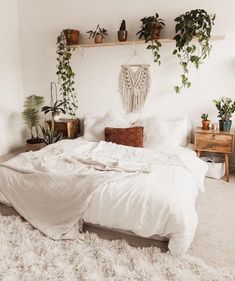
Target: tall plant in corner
[
  {"x": 66, "y": 75},
  {"x": 193, "y": 32}
]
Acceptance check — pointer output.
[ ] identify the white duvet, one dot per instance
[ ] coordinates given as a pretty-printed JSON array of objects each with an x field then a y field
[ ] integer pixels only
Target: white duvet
[{"x": 142, "y": 190}]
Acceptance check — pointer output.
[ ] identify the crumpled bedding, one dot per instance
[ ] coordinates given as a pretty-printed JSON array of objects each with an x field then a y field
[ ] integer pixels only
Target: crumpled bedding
[{"x": 143, "y": 190}]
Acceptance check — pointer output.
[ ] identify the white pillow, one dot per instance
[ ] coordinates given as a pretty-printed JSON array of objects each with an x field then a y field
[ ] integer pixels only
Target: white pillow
[
  {"x": 169, "y": 133},
  {"x": 94, "y": 126}
]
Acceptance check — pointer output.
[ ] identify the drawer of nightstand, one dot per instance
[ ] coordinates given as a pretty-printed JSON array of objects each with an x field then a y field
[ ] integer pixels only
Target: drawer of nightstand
[{"x": 214, "y": 142}]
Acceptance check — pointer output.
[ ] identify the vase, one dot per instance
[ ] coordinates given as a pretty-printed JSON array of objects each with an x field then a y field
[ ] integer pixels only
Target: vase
[
  {"x": 225, "y": 125},
  {"x": 122, "y": 35}
]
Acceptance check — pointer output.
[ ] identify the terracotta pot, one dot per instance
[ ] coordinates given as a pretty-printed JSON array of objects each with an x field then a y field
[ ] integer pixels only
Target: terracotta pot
[
  {"x": 98, "y": 38},
  {"x": 35, "y": 146},
  {"x": 206, "y": 124},
  {"x": 72, "y": 36},
  {"x": 156, "y": 30},
  {"x": 122, "y": 35}
]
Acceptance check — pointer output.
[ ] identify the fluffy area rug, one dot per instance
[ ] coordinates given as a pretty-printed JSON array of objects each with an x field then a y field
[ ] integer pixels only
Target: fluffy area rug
[
  {"x": 215, "y": 236},
  {"x": 25, "y": 255}
]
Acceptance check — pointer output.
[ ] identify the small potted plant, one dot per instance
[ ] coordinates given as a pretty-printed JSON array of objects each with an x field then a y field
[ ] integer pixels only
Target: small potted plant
[
  {"x": 150, "y": 30},
  {"x": 55, "y": 109},
  {"x": 122, "y": 32},
  {"x": 31, "y": 116},
  {"x": 99, "y": 34},
  {"x": 205, "y": 122},
  {"x": 72, "y": 36},
  {"x": 226, "y": 108}
]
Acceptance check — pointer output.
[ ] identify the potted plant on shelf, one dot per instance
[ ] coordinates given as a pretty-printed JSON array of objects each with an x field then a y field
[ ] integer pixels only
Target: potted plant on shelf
[
  {"x": 72, "y": 36},
  {"x": 192, "y": 27},
  {"x": 226, "y": 108},
  {"x": 66, "y": 76},
  {"x": 205, "y": 122},
  {"x": 122, "y": 32},
  {"x": 150, "y": 30},
  {"x": 98, "y": 34},
  {"x": 31, "y": 116}
]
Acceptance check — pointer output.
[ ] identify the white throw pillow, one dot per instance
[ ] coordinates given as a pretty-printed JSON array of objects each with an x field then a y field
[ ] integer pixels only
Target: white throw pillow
[
  {"x": 94, "y": 126},
  {"x": 169, "y": 133}
]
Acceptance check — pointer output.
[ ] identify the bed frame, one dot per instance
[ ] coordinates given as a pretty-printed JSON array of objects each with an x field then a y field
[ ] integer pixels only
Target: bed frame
[{"x": 131, "y": 238}]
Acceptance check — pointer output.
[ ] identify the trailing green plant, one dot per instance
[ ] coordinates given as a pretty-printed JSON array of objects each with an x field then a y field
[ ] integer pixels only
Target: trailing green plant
[
  {"x": 31, "y": 115},
  {"x": 49, "y": 133},
  {"x": 192, "y": 27},
  {"x": 204, "y": 117},
  {"x": 148, "y": 30},
  {"x": 98, "y": 31},
  {"x": 55, "y": 109},
  {"x": 225, "y": 107},
  {"x": 66, "y": 76}
]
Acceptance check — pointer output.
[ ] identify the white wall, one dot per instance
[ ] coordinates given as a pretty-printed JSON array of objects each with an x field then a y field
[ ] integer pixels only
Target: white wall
[
  {"x": 11, "y": 95},
  {"x": 97, "y": 73}
]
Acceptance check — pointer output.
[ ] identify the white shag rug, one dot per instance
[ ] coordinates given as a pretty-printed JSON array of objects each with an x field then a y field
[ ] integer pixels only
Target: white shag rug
[
  {"x": 215, "y": 237},
  {"x": 27, "y": 255}
]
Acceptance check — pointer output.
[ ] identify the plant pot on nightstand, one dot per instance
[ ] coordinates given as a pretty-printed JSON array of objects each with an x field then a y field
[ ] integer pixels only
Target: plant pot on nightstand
[
  {"x": 225, "y": 125},
  {"x": 206, "y": 124}
]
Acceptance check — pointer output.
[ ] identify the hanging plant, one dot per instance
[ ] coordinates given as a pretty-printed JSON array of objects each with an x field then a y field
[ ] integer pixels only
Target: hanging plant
[
  {"x": 193, "y": 32},
  {"x": 150, "y": 31},
  {"x": 66, "y": 75}
]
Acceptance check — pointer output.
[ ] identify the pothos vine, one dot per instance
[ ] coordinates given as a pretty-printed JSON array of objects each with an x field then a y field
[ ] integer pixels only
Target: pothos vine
[
  {"x": 66, "y": 76},
  {"x": 191, "y": 28}
]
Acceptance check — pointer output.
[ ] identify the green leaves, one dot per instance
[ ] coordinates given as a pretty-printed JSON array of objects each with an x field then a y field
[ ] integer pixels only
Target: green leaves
[
  {"x": 31, "y": 115},
  {"x": 195, "y": 25},
  {"x": 225, "y": 107},
  {"x": 49, "y": 134},
  {"x": 66, "y": 76},
  {"x": 146, "y": 31},
  {"x": 177, "y": 89}
]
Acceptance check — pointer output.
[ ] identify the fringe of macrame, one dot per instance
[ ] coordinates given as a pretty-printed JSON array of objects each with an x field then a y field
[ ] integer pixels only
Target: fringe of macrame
[{"x": 134, "y": 87}]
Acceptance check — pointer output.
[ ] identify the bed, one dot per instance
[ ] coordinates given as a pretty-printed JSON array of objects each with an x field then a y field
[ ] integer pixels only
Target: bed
[{"x": 148, "y": 192}]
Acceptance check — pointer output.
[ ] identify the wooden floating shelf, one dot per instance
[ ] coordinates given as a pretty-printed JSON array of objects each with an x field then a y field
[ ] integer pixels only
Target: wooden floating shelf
[{"x": 134, "y": 42}]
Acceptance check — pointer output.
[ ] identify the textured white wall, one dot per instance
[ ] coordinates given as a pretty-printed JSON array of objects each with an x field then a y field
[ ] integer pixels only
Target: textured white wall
[
  {"x": 11, "y": 95},
  {"x": 97, "y": 72}
]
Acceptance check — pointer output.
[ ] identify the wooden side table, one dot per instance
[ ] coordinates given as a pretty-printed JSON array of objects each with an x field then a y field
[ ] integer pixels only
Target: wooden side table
[
  {"x": 215, "y": 141},
  {"x": 69, "y": 127}
]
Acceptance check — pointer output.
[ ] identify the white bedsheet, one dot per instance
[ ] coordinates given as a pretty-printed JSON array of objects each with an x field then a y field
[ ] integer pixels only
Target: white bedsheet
[{"x": 146, "y": 191}]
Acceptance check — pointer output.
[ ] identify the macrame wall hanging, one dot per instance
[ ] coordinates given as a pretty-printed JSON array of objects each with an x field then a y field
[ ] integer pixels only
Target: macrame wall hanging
[{"x": 134, "y": 86}]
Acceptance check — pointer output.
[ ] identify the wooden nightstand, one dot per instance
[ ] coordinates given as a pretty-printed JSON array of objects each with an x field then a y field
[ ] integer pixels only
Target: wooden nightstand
[
  {"x": 215, "y": 141},
  {"x": 69, "y": 127}
]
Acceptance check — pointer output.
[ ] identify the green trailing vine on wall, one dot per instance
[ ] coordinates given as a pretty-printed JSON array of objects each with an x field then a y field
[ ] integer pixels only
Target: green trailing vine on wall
[
  {"x": 193, "y": 32},
  {"x": 66, "y": 76}
]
